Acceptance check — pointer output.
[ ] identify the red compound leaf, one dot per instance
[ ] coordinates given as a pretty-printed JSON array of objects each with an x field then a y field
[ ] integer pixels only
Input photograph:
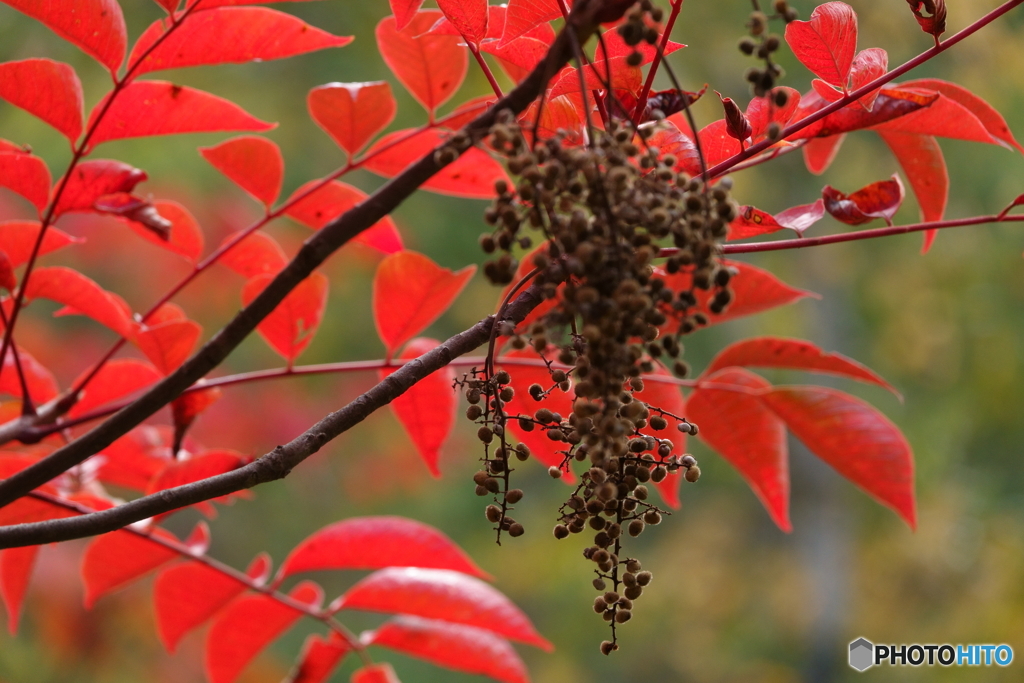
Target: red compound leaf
[
  {"x": 469, "y": 17},
  {"x": 331, "y": 201},
  {"x": 18, "y": 237},
  {"x": 377, "y": 542},
  {"x": 230, "y": 35},
  {"x": 472, "y": 175},
  {"x": 441, "y": 594},
  {"x": 92, "y": 179},
  {"x": 733, "y": 420},
  {"x": 248, "y": 625},
  {"x": 427, "y": 409},
  {"x": 826, "y": 44},
  {"x": 853, "y": 437},
  {"x": 320, "y": 656},
  {"x": 868, "y": 65},
  {"x": 188, "y": 594},
  {"x": 819, "y": 153},
  {"x": 523, "y": 16},
  {"x": 252, "y": 162},
  {"x": 147, "y": 108},
  {"x": 546, "y": 451},
  {"x": 431, "y": 67},
  {"x": 82, "y": 296},
  {"x": 877, "y": 200},
  {"x": 94, "y": 26},
  {"x": 352, "y": 113},
  {"x": 921, "y": 159},
  {"x": 993, "y": 121},
  {"x": 410, "y": 292},
  {"x": 116, "y": 559},
  {"x": 257, "y": 254},
  {"x": 291, "y": 326},
  {"x": 794, "y": 354},
  {"x": 169, "y": 343},
  {"x": 47, "y": 89},
  {"x": 754, "y": 291},
  {"x": 15, "y": 571},
  {"x": 26, "y": 175},
  {"x": 668, "y": 397},
  {"x": 452, "y": 646},
  {"x": 118, "y": 378},
  {"x": 375, "y": 673}
]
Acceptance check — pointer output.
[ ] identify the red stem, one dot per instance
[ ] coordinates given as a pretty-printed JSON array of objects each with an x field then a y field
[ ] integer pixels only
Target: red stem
[
  {"x": 645, "y": 93},
  {"x": 860, "y": 92},
  {"x": 484, "y": 67}
]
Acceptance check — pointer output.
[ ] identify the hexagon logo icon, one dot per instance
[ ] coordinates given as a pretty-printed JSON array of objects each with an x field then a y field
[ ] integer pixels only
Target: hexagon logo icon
[{"x": 862, "y": 654}]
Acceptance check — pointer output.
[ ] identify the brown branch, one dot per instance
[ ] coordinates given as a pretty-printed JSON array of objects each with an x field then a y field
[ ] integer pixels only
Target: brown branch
[
  {"x": 583, "y": 21},
  {"x": 278, "y": 463}
]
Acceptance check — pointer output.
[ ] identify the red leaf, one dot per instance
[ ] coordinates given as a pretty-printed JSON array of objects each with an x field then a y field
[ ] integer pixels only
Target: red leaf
[
  {"x": 469, "y": 17},
  {"x": 820, "y": 152},
  {"x": 116, "y": 379},
  {"x": 248, "y": 625},
  {"x": 519, "y": 57},
  {"x": 81, "y": 294},
  {"x": 410, "y": 292},
  {"x": 161, "y": 108},
  {"x": 452, "y": 646},
  {"x": 290, "y": 327},
  {"x": 931, "y": 15},
  {"x": 113, "y": 560},
  {"x": 717, "y": 144},
  {"x": 47, "y": 89},
  {"x": 26, "y": 175},
  {"x": 257, "y": 254},
  {"x": 546, "y": 451},
  {"x": 320, "y": 656},
  {"x": 668, "y": 397},
  {"x": 133, "y": 460},
  {"x": 525, "y": 15},
  {"x": 431, "y": 67},
  {"x": 252, "y": 162},
  {"x": 185, "y": 236},
  {"x": 441, "y": 594},
  {"x": 867, "y": 66},
  {"x": 762, "y": 112},
  {"x": 94, "y": 26},
  {"x": 352, "y": 113},
  {"x": 754, "y": 290},
  {"x": 993, "y": 121},
  {"x": 752, "y": 222},
  {"x": 42, "y": 385},
  {"x": 92, "y": 179},
  {"x": 168, "y": 344},
  {"x": 187, "y": 407},
  {"x": 15, "y": 571},
  {"x": 921, "y": 159},
  {"x": 8, "y": 280},
  {"x": 735, "y": 422},
  {"x": 857, "y": 440},
  {"x": 331, "y": 201},
  {"x": 624, "y": 78},
  {"x": 795, "y": 354},
  {"x": 672, "y": 140},
  {"x": 374, "y": 673},
  {"x": 799, "y": 218},
  {"x": 229, "y": 35},
  {"x": 188, "y": 594},
  {"x": 891, "y": 104},
  {"x": 427, "y": 409},
  {"x": 559, "y": 115},
  {"x": 944, "y": 118},
  {"x": 18, "y": 237},
  {"x": 377, "y": 542},
  {"x": 617, "y": 47},
  {"x": 472, "y": 175},
  {"x": 877, "y": 200},
  {"x": 826, "y": 44},
  {"x": 404, "y": 11}
]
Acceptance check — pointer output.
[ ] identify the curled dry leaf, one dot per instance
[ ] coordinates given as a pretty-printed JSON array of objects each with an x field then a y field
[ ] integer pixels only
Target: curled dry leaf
[
  {"x": 877, "y": 200},
  {"x": 931, "y": 15}
]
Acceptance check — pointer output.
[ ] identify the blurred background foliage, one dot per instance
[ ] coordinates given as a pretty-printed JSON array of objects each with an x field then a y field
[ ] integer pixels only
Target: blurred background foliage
[{"x": 734, "y": 599}]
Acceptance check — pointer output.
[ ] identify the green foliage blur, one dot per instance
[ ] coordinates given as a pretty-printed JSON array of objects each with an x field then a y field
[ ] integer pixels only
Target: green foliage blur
[{"x": 733, "y": 598}]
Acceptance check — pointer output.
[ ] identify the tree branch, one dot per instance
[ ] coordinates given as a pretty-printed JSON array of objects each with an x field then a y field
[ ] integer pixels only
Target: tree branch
[
  {"x": 278, "y": 463},
  {"x": 583, "y": 21}
]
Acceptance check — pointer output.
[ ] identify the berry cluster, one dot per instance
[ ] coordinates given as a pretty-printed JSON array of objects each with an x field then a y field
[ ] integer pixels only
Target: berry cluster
[{"x": 764, "y": 44}]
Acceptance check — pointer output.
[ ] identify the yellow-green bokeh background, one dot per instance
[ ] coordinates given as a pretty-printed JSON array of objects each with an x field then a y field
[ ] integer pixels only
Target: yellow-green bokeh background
[{"x": 734, "y": 599}]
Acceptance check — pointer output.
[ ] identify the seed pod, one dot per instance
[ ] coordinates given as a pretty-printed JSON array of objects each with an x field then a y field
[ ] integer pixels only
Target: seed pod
[
  {"x": 506, "y": 394},
  {"x": 688, "y": 460},
  {"x": 491, "y": 484},
  {"x": 747, "y": 46},
  {"x": 514, "y": 496},
  {"x": 658, "y": 423},
  {"x": 485, "y": 434},
  {"x": 515, "y": 530},
  {"x": 600, "y": 556},
  {"x": 611, "y": 597},
  {"x": 597, "y": 523},
  {"x": 502, "y": 377},
  {"x": 629, "y": 579},
  {"x": 536, "y": 391},
  {"x": 481, "y": 491},
  {"x": 640, "y": 492},
  {"x": 636, "y": 527},
  {"x": 599, "y": 584},
  {"x": 692, "y": 473},
  {"x": 608, "y": 647},
  {"x": 558, "y": 376},
  {"x": 493, "y": 513},
  {"x": 633, "y": 566},
  {"x": 480, "y": 477},
  {"x": 554, "y": 472},
  {"x": 659, "y": 473},
  {"x": 622, "y": 616},
  {"x": 544, "y": 415},
  {"x": 561, "y": 531},
  {"x": 633, "y": 592},
  {"x": 473, "y": 412},
  {"x": 644, "y": 578},
  {"x": 599, "y": 604},
  {"x": 652, "y": 517}
]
